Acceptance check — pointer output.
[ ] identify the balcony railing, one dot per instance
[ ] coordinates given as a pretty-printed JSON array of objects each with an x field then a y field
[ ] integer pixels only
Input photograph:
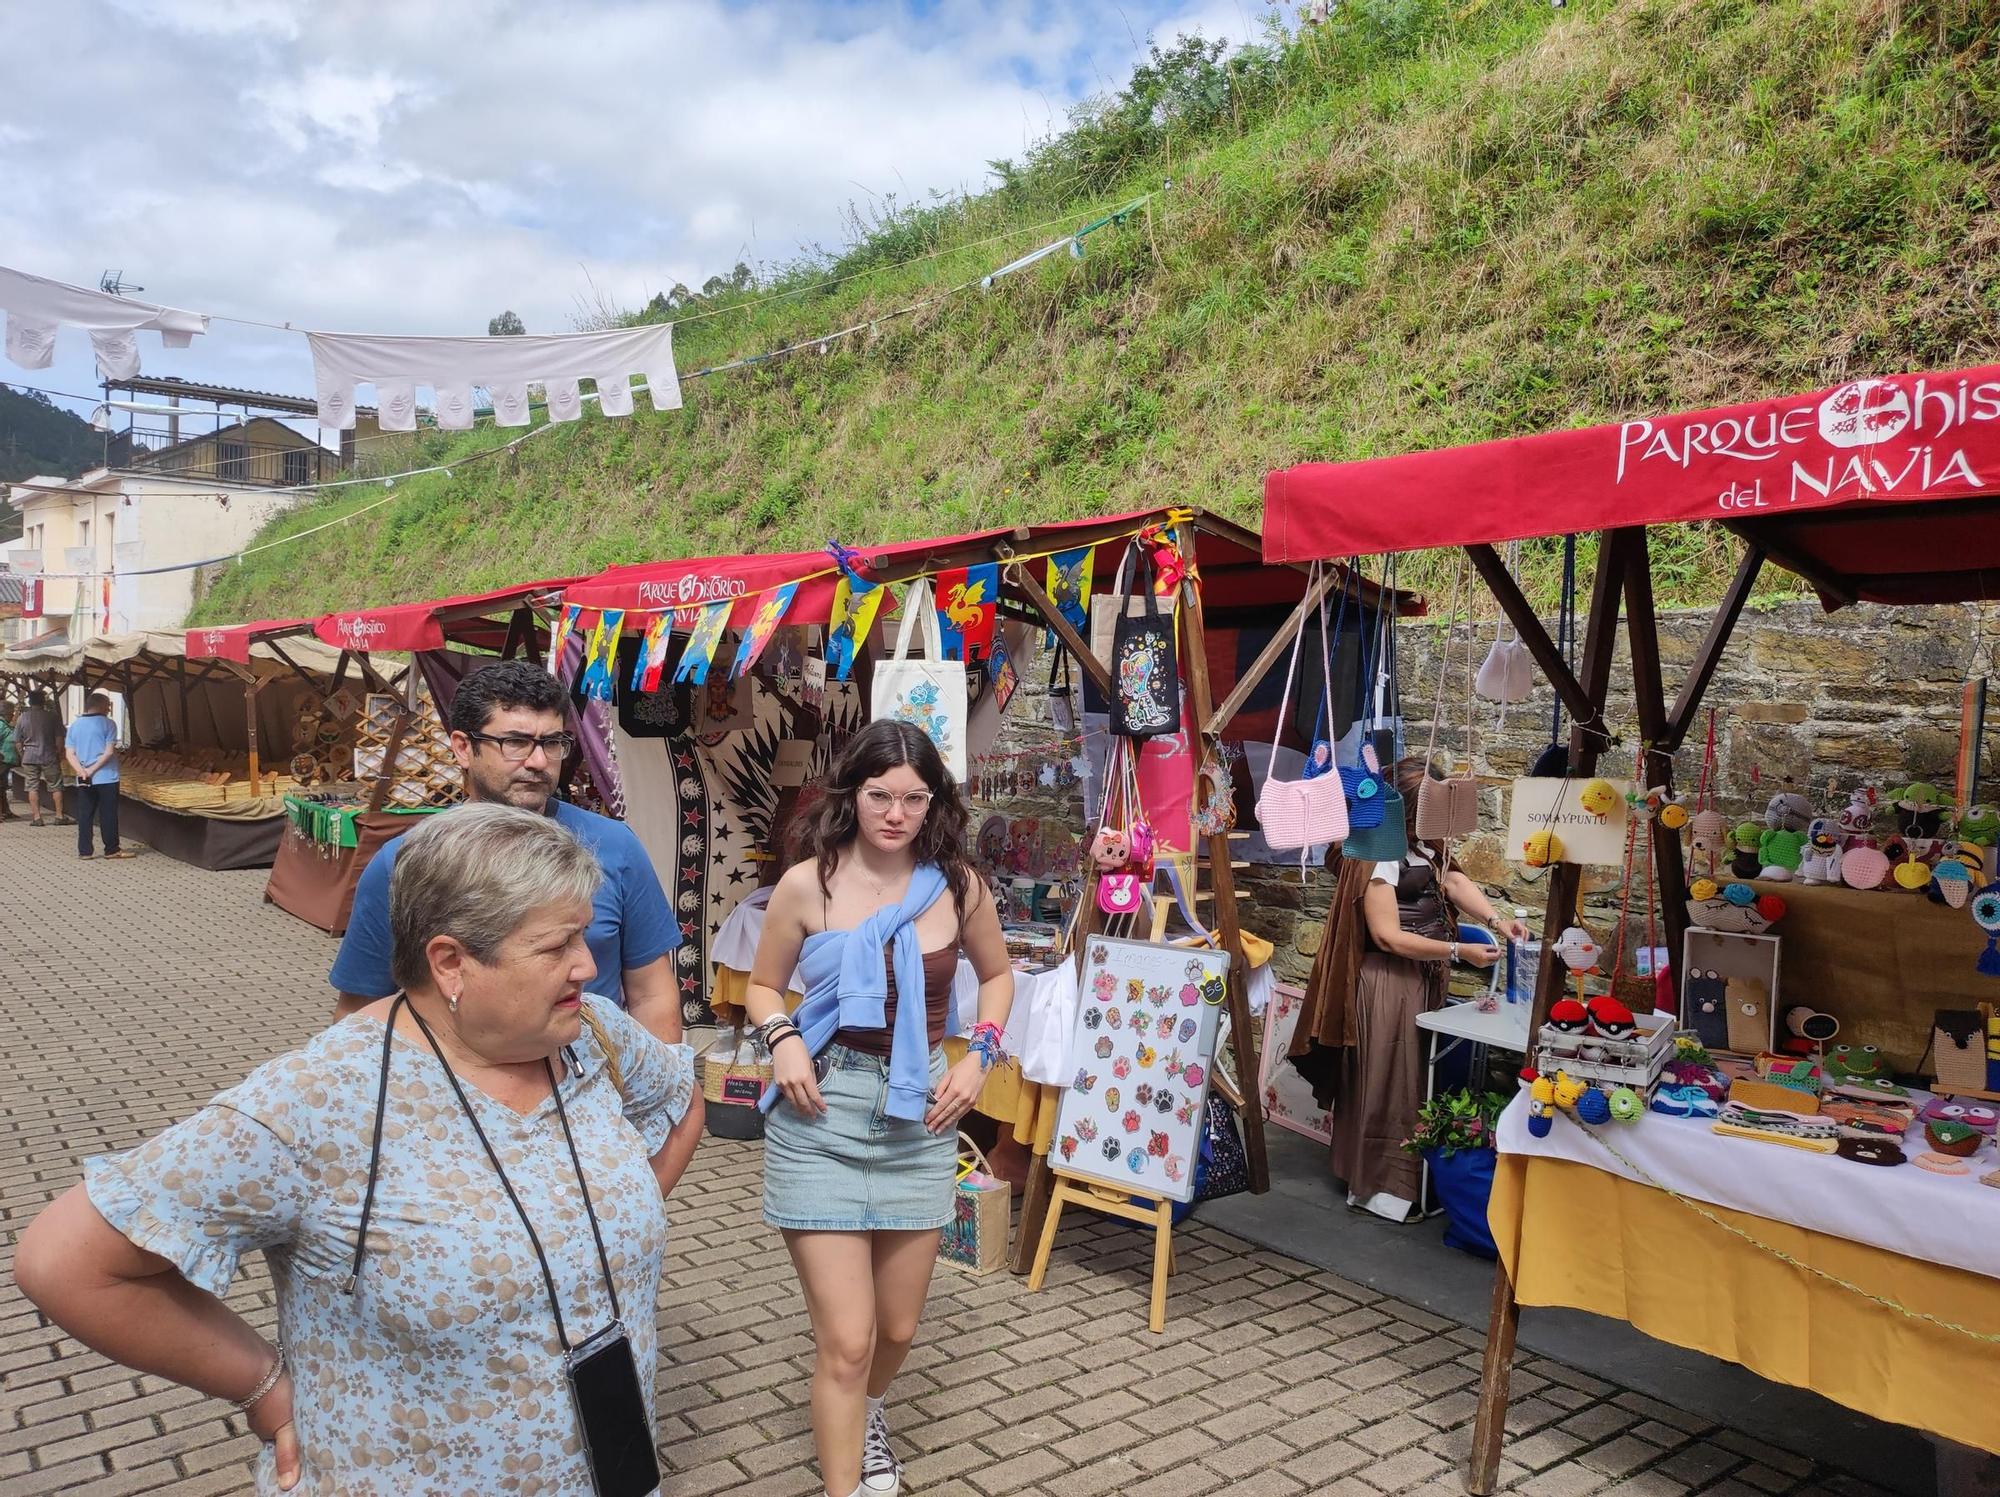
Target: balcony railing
[{"x": 224, "y": 458}]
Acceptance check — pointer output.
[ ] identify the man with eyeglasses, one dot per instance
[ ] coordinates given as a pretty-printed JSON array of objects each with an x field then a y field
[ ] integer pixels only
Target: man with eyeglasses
[{"x": 510, "y": 734}]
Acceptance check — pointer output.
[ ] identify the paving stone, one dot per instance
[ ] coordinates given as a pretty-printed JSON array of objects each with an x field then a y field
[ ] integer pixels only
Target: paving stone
[{"x": 1274, "y": 1379}]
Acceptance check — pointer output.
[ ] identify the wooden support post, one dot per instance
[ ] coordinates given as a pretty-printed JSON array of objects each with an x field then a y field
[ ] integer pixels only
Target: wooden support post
[
  {"x": 1089, "y": 664},
  {"x": 1250, "y": 680},
  {"x": 1222, "y": 884},
  {"x": 1727, "y": 612},
  {"x": 1522, "y": 616},
  {"x": 1586, "y": 741},
  {"x": 250, "y": 691},
  {"x": 1038, "y": 1193}
]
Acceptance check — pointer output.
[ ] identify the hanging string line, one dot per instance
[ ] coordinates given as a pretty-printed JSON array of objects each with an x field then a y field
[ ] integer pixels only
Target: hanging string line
[
  {"x": 1989, "y": 1337},
  {"x": 1115, "y": 215},
  {"x": 705, "y": 373}
]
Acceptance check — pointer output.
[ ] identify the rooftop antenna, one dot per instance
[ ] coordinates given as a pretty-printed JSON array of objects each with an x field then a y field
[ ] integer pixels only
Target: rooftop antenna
[{"x": 114, "y": 282}]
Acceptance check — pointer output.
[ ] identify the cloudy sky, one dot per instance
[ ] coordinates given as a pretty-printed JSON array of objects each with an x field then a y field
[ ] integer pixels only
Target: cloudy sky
[{"x": 416, "y": 167}]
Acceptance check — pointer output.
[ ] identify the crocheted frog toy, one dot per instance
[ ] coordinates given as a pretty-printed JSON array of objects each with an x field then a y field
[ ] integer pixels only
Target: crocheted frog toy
[
  {"x": 1979, "y": 825},
  {"x": 1784, "y": 839}
]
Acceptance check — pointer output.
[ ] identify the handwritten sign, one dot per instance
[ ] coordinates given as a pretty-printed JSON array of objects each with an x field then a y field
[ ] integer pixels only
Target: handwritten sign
[{"x": 1557, "y": 805}]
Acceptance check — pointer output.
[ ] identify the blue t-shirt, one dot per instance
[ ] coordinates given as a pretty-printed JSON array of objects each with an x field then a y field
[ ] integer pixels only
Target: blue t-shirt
[
  {"x": 630, "y": 923},
  {"x": 89, "y": 736}
]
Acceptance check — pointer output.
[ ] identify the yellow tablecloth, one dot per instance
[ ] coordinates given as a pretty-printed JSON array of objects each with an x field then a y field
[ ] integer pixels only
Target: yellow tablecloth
[{"x": 1587, "y": 1239}]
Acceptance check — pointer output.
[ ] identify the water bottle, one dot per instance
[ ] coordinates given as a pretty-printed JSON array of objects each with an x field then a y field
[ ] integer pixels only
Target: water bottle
[{"x": 1523, "y": 958}]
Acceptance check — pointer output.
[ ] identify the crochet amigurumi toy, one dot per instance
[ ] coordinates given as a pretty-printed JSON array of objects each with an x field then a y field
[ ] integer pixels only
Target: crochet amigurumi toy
[
  {"x": 1784, "y": 839},
  {"x": 1919, "y": 809},
  {"x": 1820, "y": 861},
  {"x": 1744, "y": 861},
  {"x": 1979, "y": 825}
]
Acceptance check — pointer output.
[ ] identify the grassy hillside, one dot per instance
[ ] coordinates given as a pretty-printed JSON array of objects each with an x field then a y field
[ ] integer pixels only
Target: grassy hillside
[{"x": 1425, "y": 223}]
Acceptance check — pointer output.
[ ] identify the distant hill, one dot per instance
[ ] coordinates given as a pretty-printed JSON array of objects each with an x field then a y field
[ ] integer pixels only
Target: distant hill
[
  {"x": 1424, "y": 222},
  {"x": 37, "y": 436}
]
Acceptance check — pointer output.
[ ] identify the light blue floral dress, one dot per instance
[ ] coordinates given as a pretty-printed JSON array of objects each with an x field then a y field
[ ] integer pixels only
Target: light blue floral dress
[{"x": 441, "y": 1372}]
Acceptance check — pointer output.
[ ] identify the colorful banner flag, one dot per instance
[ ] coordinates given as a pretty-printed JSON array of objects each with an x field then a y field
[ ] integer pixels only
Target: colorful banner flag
[
  {"x": 967, "y": 599},
  {"x": 855, "y": 604},
  {"x": 559, "y": 633},
  {"x": 600, "y": 657},
  {"x": 702, "y": 642},
  {"x": 1069, "y": 585},
  {"x": 652, "y": 659},
  {"x": 763, "y": 624}
]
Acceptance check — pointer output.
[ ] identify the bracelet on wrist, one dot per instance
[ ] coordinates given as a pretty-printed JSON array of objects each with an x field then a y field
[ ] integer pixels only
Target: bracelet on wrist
[{"x": 265, "y": 1385}]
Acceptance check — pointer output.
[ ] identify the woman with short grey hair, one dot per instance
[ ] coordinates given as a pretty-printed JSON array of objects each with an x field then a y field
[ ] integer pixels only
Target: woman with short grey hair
[{"x": 458, "y": 1190}]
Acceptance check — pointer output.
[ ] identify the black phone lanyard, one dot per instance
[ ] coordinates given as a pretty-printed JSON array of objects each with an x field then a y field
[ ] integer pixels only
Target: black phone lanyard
[{"x": 375, "y": 1162}]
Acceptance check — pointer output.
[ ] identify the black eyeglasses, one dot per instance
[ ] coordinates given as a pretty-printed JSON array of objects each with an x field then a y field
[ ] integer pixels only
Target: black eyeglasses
[{"x": 515, "y": 747}]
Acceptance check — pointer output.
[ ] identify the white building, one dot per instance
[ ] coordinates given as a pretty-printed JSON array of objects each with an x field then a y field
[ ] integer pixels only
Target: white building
[{"x": 118, "y": 549}]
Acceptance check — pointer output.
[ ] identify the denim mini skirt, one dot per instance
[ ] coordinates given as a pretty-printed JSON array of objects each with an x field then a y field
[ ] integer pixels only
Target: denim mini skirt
[{"x": 853, "y": 1169}]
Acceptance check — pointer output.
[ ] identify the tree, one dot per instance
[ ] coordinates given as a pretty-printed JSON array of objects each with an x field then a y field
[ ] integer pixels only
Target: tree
[{"x": 506, "y": 325}]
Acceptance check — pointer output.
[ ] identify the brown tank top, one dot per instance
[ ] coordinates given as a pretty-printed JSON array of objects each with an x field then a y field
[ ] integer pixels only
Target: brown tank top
[{"x": 940, "y": 967}]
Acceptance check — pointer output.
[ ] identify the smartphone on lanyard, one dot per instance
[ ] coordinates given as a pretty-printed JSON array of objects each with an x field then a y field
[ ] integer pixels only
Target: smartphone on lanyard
[{"x": 611, "y": 1412}]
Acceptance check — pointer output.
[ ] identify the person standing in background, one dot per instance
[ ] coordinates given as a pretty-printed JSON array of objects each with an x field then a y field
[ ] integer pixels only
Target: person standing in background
[
  {"x": 38, "y": 738},
  {"x": 92, "y": 747},
  {"x": 510, "y": 735}
]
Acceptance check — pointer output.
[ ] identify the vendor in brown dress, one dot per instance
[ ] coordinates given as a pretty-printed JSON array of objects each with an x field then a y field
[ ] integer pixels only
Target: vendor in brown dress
[{"x": 1406, "y": 935}]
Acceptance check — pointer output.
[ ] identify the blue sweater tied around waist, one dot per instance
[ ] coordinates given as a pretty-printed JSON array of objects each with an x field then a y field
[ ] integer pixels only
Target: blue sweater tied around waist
[{"x": 847, "y": 987}]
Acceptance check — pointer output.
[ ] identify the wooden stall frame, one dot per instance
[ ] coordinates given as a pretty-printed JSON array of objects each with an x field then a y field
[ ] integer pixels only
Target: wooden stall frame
[{"x": 1623, "y": 568}]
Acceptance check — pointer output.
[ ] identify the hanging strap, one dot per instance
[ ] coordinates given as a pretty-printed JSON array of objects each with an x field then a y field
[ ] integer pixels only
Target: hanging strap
[
  {"x": 1444, "y": 662},
  {"x": 583, "y": 1187},
  {"x": 1291, "y": 674},
  {"x": 1565, "y": 629},
  {"x": 917, "y": 600}
]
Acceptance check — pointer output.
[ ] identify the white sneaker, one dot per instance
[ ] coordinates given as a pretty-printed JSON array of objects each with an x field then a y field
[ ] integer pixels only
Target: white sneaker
[{"x": 881, "y": 1472}]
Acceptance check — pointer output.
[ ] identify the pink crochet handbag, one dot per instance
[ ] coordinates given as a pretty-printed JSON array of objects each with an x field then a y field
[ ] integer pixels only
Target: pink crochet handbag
[{"x": 1301, "y": 813}]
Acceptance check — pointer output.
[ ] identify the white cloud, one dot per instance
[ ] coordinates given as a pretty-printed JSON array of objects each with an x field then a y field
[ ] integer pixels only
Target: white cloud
[{"x": 416, "y": 168}]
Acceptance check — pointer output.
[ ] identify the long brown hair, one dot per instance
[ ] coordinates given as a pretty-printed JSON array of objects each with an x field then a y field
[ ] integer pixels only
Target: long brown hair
[{"x": 876, "y": 749}]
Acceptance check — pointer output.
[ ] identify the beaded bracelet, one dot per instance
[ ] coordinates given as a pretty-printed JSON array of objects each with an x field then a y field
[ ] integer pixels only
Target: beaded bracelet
[
  {"x": 986, "y": 1044},
  {"x": 270, "y": 1381}
]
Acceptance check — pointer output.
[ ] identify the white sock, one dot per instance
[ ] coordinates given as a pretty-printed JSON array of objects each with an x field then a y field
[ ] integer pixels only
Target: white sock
[{"x": 875, "y": 1406}]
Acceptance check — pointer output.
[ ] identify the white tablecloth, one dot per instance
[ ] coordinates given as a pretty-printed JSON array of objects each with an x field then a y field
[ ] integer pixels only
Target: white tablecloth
[{"x": 1950, "y": 1219}]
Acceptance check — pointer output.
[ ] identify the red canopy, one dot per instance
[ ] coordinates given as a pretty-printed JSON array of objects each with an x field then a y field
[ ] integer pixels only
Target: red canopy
[
  {"x": 1870, "y": 490},
  {"x": 430, "y": 626},
  {"x": 1234, "y": 572},
  {"x": 234, "y": 641}
]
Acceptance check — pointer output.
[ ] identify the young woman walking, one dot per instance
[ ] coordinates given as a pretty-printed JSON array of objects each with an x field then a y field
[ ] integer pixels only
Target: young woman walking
[{"x": 861, "y": 1146}]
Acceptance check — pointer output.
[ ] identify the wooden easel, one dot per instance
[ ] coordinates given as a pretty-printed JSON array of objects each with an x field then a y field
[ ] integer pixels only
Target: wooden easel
[{"x": 1074, "y": 1190}]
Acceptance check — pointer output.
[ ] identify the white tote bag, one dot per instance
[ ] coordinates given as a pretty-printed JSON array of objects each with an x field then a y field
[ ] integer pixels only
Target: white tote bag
[{"x": 928, "y": 693}]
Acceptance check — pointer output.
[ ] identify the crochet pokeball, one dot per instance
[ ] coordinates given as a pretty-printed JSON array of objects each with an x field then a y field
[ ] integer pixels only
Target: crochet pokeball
[
  {"x": 1610, "y": 1018},
  {"x": 1567, "y": 1016}
]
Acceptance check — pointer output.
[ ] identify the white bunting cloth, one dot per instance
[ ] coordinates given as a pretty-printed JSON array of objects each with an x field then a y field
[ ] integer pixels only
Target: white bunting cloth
[
  {"x": 505, "y": 367},
  {"x": 37, "y": 307}
]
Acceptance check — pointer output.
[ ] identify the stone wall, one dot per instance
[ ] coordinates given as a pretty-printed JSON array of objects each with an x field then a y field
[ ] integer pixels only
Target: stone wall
[
  {"x": 1865, "y": 696},
  {"x": 1868, "y": 695}
]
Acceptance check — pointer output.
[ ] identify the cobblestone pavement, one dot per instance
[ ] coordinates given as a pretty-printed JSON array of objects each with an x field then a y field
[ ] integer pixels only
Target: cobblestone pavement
[{"x": 129, "y": 993}]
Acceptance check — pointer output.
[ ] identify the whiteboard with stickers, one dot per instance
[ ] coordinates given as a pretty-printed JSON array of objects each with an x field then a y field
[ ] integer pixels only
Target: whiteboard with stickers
[{"x": 1140, "y": 1053}]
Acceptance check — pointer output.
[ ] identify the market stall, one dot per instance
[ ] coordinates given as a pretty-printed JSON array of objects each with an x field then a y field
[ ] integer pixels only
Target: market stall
[
  {"x": 1872, "y": 1285},
  {"x": 789, "y": 655},
  {"x": 197, "y": 779},
  {"x": 395, "y": 763}
]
